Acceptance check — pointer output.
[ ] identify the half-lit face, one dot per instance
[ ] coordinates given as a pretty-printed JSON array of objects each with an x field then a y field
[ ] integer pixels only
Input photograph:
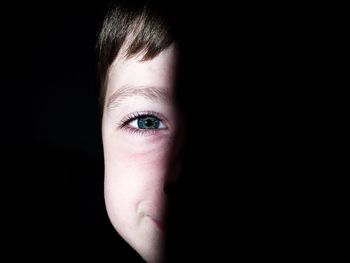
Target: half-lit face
[{"x": 138, "y": 127}]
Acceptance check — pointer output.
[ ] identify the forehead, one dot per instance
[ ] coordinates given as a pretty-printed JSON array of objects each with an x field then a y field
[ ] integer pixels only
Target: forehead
[{"x": 156, "y": 72}]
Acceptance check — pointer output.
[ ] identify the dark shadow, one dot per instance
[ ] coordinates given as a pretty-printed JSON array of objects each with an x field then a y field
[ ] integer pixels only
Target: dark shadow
[
  {"x": 53, "y": 206},
  {"x": 229, "y": 200}
]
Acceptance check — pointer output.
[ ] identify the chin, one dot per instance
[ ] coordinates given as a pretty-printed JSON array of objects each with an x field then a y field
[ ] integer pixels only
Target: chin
[
  {"x": 152, "y": 254},
  {"x": 150, "y": 243}
]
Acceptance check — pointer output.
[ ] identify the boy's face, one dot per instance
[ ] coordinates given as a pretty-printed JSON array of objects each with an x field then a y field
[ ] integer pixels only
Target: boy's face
[{"x": 137, "y": 129}]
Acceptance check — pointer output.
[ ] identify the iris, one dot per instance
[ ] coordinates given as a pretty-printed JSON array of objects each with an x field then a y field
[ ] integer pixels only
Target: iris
[{"x": 148, "y": 122}]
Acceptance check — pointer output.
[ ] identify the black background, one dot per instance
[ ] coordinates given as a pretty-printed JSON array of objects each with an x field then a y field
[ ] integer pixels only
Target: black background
[{"x": 52, "y": 175}]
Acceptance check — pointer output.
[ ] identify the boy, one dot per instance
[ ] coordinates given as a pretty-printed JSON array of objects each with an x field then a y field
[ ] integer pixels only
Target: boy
[{"x": 137, "y": 68}]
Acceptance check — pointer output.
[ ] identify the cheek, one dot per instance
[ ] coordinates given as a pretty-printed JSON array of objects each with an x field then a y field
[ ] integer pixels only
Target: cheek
[
  {"x": 140, "y": 153},
  {"x": 134, "y": 173},
  {"x": 135, "y": 169}
]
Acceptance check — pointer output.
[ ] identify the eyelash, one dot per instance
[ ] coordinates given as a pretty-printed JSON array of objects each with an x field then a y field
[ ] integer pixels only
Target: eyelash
[{"x": 133, "y": 116}]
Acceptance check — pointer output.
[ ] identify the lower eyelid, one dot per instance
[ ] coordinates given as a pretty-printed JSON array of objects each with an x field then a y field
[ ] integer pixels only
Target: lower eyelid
[{"x": 143, "y": 132}]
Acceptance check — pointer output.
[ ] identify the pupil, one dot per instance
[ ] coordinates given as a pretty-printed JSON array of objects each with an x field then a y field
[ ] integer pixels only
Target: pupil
[{"x": 149, "y": 123}]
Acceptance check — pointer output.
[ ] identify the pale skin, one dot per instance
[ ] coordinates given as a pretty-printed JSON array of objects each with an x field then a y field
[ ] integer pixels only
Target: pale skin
[{"x": 138, "y": 127}]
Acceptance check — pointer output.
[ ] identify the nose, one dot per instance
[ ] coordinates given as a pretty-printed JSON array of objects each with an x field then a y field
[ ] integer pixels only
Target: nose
[
  {"x": 169, "y": 187},
  {"x": 175, "y": 160},
  {"x": 172, "y": 174}
]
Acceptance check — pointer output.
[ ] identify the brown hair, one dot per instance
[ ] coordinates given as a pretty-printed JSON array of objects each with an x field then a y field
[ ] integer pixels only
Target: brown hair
[{"x": 146, "y": 24}]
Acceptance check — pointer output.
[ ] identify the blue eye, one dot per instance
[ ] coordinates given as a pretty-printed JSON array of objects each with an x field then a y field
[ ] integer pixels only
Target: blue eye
[
  {"x": 147, "y": 122},
  {"x": 144, "y": 123}
]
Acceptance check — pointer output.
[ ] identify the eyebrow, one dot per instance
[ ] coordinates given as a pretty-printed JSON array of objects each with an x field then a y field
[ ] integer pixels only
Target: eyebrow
[{"x": 125, "y": 91}]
